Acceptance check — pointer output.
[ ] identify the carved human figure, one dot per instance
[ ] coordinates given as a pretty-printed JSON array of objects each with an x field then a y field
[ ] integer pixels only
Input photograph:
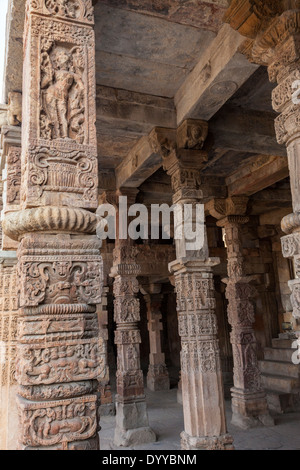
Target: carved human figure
[
  {"x": 62, "y": 93},
  {"x": 77, "y": 97}
]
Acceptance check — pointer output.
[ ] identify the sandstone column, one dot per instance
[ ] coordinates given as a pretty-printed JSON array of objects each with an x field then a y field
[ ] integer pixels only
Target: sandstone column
[
  {"x": 8, "y": 334},
  {"x": 202, "y": 386},
  {"x": 249, "y": 403},
  {"x": 106, "y": 402},
  {"x": 59, "y": 266},
  {"x": 132, "y": 425},
  {"x": 158, "y": 376},
  {"x": 272, "y": 30},
  {"x": 11, "y": 179}
]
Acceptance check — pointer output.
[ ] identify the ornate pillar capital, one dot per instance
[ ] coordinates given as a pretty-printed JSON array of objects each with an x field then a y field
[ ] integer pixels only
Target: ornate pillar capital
[
  {"x": 232, "y": 220},
  {"x": 231, "y": 210},
  {"x": 185, "y": 160},
  {"x": 265, "y": 24},
  {"x": 249, "y": 17}
]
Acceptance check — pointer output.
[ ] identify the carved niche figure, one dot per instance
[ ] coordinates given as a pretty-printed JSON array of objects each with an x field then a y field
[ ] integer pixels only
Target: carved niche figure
[
  {"x": 62, "y": 92},
  {"x": 68, "y": 8}
]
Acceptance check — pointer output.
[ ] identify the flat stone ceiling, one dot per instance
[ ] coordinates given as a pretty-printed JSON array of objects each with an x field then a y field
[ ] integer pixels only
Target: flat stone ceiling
[
  {"x": 144, "y": 53},
  {"x": 198, "y": 13}
]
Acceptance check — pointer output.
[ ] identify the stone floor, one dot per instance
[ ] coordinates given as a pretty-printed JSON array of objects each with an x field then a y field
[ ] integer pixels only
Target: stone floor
[{"x": 166, "y": 419}]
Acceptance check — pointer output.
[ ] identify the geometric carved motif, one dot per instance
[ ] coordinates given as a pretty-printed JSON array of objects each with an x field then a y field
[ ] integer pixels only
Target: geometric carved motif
[
  {"x": 200, "y": 356},
  {"x": 194, "y": 293}
]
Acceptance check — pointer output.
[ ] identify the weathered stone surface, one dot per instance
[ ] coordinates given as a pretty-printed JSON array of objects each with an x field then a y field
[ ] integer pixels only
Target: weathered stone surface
[
  {"x": 8, "y": 343},
  {"x": 207, "y": 15},
  {"x": 131, "y": 413},
  {"x": 14, "y": 48},
  {"x": 249, "y": 403},
  {"x": 217, "y": 76},
  {"x": 158, "y": 49},
  {"x": 201, "y": 376},
  {"x": 158, "y": 376},
  {"x": 59, "y": 355}
]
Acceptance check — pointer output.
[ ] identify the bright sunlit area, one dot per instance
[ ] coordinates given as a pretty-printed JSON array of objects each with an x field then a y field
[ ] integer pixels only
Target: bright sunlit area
[{"x": 3, "y": 11}]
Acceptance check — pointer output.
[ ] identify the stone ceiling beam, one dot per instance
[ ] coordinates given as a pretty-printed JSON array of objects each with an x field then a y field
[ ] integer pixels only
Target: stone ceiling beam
[
  {"x": 221, "y": 71},
  {"x": 257, "y": 175},
  {"x": 144, "y": 159},
  {"x": 245, "y": 131},
  {"x": 138, "y": 112}
]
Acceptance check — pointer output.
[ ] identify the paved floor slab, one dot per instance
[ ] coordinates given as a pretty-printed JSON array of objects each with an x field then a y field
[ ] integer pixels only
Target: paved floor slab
[{"x": 166, "y": 419}]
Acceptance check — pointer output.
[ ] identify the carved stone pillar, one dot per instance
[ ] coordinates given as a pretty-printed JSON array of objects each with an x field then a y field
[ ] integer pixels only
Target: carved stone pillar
[
  {"x": 10, "y": 195},
  {"x": 158, "y": 376},
  {"x": 8, "y": 334},
  {"x": 59, "y": 358},
  {"x": 106, "y": 402},
  {"x": 273, "y": 39},
  {"x": 132, "y": 425},
  {"x": 249, "y": 403},
  {"x": 202, "y": 385}
]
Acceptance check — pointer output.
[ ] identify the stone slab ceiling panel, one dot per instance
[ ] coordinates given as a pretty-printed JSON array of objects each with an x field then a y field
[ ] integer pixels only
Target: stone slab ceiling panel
[
  {"x": 145, "y": 53},
  {"x": 206, "y": 14}
]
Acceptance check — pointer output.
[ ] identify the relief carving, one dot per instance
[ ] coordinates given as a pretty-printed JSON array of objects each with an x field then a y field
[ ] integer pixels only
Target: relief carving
[
  {"x": 199, "y": 356},
  {"x": 60, "y": 281},
  {"x": 60, "y": 355},
  {"x": 62, "y": 92},
  {"x": 81, "y": 10},
  {"x": 49, "y": 423},
  {"x": 58, "y": 363},
  {"x": 127, "y": 310},
  {"x": 13, "y": 176},
  {"x": 51, "y": 171},
  {"x": 54, "y": 328},
  {"x": 192, "y": 134},
  {"x": 295, "y": 297}
]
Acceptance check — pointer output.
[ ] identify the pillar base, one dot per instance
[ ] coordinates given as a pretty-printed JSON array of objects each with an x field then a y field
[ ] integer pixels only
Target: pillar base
[
  {"x": 158, "y": 383},
  {"x": 134, "y": 437},
  {"x": 132, "y": 425},
  {"x": 223, "y": 442},
  {"x": 107, "y": 410},
  {"x": 250, "y": 409}
]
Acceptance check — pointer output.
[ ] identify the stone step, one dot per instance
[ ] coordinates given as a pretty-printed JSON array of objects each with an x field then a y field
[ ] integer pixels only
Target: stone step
[
  {"x": 282, "y": 343},
  {"x": 279, "y": 354},
  {"x": 283, "y": 369},
  {"x": 280, "y": 384}
]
